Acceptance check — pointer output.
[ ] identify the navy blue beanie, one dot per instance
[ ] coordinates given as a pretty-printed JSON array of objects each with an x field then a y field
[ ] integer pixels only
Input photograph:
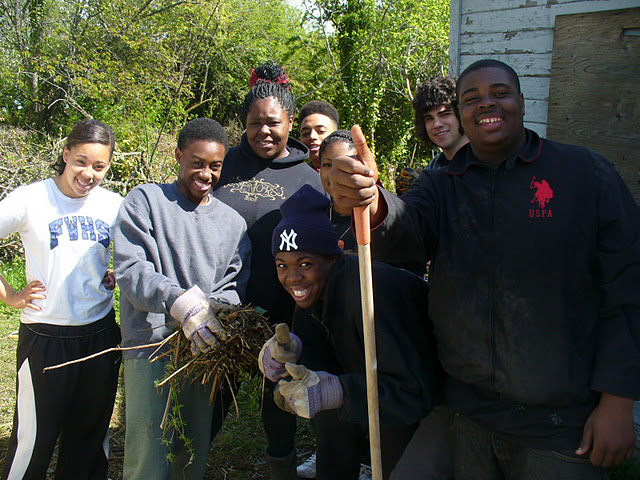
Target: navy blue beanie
[{"x": 305, "y": 225}]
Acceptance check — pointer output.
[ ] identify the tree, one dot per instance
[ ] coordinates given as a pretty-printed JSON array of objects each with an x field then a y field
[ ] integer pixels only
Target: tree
[
  {"x": 142, "y": 67},
  {"x": 384, "y": 48},
  {"x": 145, "y": 67}
]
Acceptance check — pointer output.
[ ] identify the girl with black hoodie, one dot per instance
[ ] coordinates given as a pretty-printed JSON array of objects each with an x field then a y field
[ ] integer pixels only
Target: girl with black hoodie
[{"x": 257, "y": 177}]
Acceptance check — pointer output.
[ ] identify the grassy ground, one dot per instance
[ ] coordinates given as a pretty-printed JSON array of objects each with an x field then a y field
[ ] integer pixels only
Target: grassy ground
[
  {"x": 9, "y": 322},
  {"x": 236, "y": 453}
]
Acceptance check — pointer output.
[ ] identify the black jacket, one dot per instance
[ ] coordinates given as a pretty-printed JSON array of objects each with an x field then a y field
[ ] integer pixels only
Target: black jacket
[
  {"x": 345, "y": 231},
  {"x": 333, "y": 341},
  {"x": 439, "y": 161},
  {"x": 256, "y": 188},
  {"x": 534, "y": 284}
]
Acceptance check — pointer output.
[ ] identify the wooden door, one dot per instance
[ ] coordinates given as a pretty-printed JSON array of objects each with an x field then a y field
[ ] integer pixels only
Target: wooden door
[{"x": 594, "y": 94}]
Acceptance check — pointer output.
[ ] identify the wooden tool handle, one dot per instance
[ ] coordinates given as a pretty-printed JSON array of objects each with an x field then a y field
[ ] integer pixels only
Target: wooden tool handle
[{"x": 362, "y": 224}]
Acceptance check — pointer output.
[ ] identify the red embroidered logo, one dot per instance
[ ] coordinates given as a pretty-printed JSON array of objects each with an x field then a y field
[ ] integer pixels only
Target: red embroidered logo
[
  {"x": 543, "y": 192},
  {"x": 541, "y": 197}
]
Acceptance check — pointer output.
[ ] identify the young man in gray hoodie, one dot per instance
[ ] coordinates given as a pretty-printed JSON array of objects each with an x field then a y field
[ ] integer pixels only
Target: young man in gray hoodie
[{"x": 180, "y": 257}]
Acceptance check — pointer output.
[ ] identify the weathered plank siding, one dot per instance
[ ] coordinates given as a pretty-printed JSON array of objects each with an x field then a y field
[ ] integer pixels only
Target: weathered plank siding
[
  {"x": 520, "y": 33},
  {"x": 594, "y": 98}
]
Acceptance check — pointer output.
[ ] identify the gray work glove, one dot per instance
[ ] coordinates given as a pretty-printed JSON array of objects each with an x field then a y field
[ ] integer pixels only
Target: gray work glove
[
  {"x": 218, "y": 307},
  {"x": 199, "y": 323},
  {"x": 283, "y": 347},
  {"x": 308, "y": 392}
]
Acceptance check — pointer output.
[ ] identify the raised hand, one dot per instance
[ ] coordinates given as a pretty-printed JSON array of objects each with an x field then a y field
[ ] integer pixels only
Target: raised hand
[
  {"x": 283, "y": 347},
  {"x": 353, "y": 180}
]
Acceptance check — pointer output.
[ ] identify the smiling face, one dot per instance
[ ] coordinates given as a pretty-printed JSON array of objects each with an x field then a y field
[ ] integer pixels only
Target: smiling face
[
  {"x": 200, "y": 166},
  {"x": 491, "y": 110},
  {"x": 86, "y": 164},
  {"x": 304, "y": 275},
  {"x": 443, "y": 129},
  {"x": 268, "y": 128},
  {"x": 313, "y": 130}
]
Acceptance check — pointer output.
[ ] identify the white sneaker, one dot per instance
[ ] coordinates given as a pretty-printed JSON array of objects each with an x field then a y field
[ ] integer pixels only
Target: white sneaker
[
  {"x": 308, "y": 468},
  {"x": 365, "y": 472}
]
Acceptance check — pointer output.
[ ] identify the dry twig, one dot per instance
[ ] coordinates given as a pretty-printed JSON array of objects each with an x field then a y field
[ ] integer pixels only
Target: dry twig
[{"x": 247, "y": 331}]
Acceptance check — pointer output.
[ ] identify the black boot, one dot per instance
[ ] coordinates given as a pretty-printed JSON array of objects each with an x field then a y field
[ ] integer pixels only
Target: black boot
[{"x": 283, "y": 468}]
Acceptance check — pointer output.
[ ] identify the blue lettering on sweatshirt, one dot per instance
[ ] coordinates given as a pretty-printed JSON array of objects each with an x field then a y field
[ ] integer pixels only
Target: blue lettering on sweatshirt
[
  {"x": 92, "y": 230},
  {"x": 72, "y": 227},
  {"x": 103, "y": 233},
  {"x": 88, "y": 233},
  {"x": 55, "y": 230}
]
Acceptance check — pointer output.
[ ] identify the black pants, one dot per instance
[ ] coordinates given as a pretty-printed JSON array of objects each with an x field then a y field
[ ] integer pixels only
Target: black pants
[
  {"x": 340, "y": 445},
  {"x": 73, "y": 402}
]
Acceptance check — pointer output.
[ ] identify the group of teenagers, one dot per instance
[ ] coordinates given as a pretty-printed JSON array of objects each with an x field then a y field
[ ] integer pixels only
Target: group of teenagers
[{"x": 519, "y": 359}]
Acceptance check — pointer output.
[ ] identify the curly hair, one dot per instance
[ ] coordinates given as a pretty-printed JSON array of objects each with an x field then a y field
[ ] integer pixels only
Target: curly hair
[
  {"x": 431, "y": 94},
  {"x": 269, "y": 80},
  {"x": 343, "y": 136},
  {"x": 202, "y": 129},
  {"x": 271, "y": 72},
  {"x": 318, "y": 106}
]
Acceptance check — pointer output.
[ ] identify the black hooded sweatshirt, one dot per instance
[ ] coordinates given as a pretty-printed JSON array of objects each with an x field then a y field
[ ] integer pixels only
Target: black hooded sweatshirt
[{"x": 256, "y": 188}]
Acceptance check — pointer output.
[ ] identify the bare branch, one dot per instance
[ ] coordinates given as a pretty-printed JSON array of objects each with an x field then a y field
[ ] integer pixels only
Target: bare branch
[{"x": 160, "y": 10}]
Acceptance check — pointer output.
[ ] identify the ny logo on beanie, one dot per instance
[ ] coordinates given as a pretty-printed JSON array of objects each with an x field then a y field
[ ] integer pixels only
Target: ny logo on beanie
[
  {"x": 305, "y": 225},
  {"x": 289, "y": 239}
]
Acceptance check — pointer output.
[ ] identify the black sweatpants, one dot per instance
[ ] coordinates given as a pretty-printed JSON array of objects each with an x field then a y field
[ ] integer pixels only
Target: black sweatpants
[{"x": 73, "y": 402}]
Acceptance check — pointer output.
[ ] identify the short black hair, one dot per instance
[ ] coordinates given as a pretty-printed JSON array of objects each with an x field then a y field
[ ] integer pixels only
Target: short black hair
[
  {"x": 335, "y": 137},
  {"x": 270, "y": 81},
  {"x": 318, "y": 106},
  {"x": 433, "y": 93},
  {"x": 202, "y": 129},
  {"x": 489, "y": 63}
]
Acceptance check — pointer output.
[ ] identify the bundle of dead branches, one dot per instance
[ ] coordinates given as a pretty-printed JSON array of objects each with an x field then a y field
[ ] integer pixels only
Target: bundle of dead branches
[{"x": 247, "y": 331}]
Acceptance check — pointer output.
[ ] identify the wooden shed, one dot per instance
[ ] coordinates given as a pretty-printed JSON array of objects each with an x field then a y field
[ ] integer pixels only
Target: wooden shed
[{"x": 578, "y": 62}]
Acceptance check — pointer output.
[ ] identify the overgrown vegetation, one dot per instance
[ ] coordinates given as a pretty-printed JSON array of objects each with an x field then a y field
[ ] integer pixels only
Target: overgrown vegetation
[
  {"x": 146, "y": 68},
  {"x": 236, "y": 453},
  {"x": 231, "y": 363}
]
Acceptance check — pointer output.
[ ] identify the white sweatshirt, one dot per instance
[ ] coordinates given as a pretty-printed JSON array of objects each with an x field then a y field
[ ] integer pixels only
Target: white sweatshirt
[{"x": 66, "y": 242}]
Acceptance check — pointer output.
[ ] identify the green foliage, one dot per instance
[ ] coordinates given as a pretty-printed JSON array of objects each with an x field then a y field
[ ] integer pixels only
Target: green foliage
[
  {"x": 385, "y": 48},
  {"x": 23, "y": 160},
  {"x": 144, "y": 68},
  {"x": 13, "y": 272},
  {"x": 174, "y": 428},
  {"x": 137, "y": 66},
  {"x": 147, "y": 67}
]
